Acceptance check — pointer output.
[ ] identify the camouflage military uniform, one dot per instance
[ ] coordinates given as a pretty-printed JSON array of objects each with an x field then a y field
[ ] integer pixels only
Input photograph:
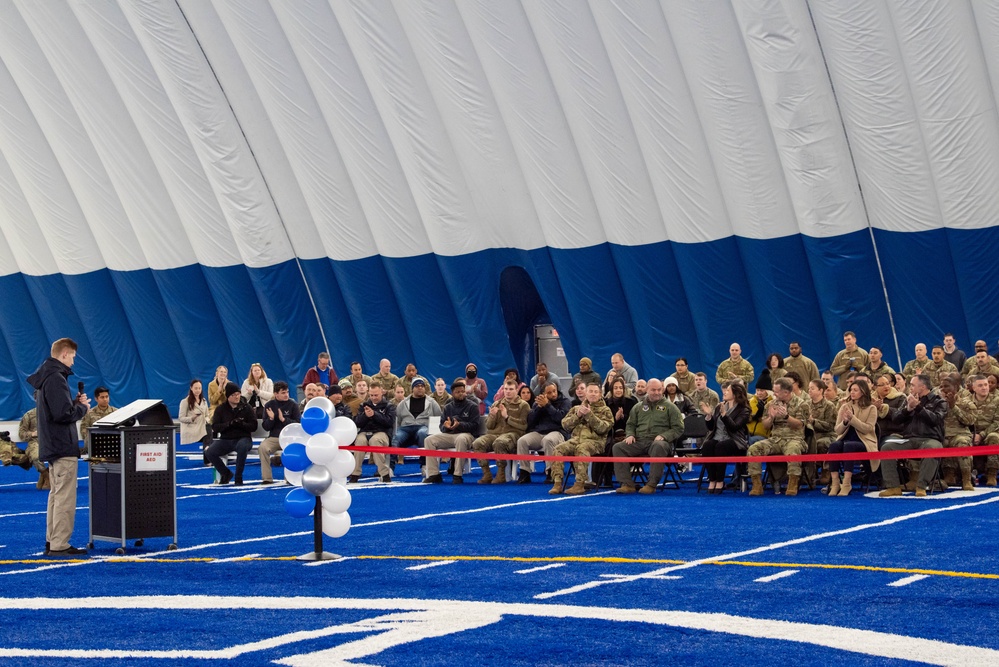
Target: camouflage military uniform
[
  {"x": 935, "y": 371},
  {"x": 842, "y": 363},
  {"x": 784, "y": 440},
  {"x": 803, "y": 366},
  {"x": 987, "y": 426},
  {"x": 27, "y": 431},
  {"x": 589, "y": 436},
  {"x": 709, "y": 396},
  {"x": 93, "y": 414},
  {"x": 10, "y": 454},
  {"x": 875, "y": 373},
  {"x": 823, "y": 415},
  {"x": 388, "y": 381},
  {"x": 971, "y": 367},
  {"x": 916, "y": 367},
  {"x": 686, "y": 383},
  {"x": 502, "y": 435},
  {"x": 353, "y": 383},
  {"x": 957, "y": 433},
  {"x": 741, "y": 368}
]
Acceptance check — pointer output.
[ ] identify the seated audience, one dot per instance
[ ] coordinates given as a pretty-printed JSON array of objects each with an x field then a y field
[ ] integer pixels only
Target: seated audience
[
  {"x": 356, "y": 375},
  {"x": 705, "y": 399},
  {"x": 322, "y": 373},
  {"x": 961, "y": 416},
  {"x": 475, "y": 387},
  {"x": 986, "y": 429},
  {"x": 412, "y": 417},
  {"x": 586, "y": 374},
  {"x": 278, "y": 413},
  {"x": 589, "y": 423},
  {"x": 620, "y": 368},
  {"x": 621, "y": 402},
  {"x": 257, "y": 389},
  {"x": 855, "y": 431},
  {"x": 684, "y": 378},
  {"x": 727, "y": 433},
  {"x": 651, "y": 430},
  {"x": 216, "y": 389},
  {"x": 459, "y": 423},
  {"x": 544, "y": 429},
  {"x": 374, "y": 421},
  {"x": 541, "y": 378},
  {"x": 234, "y": 424},
  {"x": 193, "y": 418},
  {"x": 440, "y": 393},
  {"x": 758, "y": 409},
  {"x": 786, "y": 417},
  {"x": 921, "y": 422},
  {"x": 681, "y": 400},
  {"x": 506, "y": 423}
]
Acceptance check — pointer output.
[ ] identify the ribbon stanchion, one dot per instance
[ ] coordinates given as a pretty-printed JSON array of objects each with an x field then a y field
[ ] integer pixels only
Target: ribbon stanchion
[{"x": 943, "y": 453}]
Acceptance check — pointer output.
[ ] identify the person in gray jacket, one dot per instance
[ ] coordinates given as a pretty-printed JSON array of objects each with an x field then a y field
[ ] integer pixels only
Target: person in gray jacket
[{"x": 412, "y": 417}]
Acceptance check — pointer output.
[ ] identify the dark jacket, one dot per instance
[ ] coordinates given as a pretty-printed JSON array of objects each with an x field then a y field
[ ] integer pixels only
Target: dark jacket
[
  {"x": 549, "y": 418},
  {"x": 685, "y": 405},
  {"x": 383, "y": 420},
  {"x": 926, "y": 421},
  {"x": 231, "y": 423},
  {"x": 291, "y": 415},
  {"x": 342, "y": 410},
  {"x": 57, "y": 411},
  {"x": 735, "y": 424},
  {"x": 466, "y": 412},
  {"x": 626, "y": 403}
]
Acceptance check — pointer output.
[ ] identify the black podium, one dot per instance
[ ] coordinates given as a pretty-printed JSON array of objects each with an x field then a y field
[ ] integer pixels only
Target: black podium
[{"x": 133, "y": 475}]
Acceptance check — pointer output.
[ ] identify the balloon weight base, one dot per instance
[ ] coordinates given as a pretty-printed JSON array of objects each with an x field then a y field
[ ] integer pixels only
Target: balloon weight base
[{"x": 313, "y": 556}]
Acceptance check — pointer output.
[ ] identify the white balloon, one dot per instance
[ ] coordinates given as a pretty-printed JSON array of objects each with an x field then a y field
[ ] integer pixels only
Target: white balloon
[
  {"x": 342, "y": 464},
  {"x": 293, "y": 477},
  {"x": 344, "y": 430},
  {"x": 321, "y": 402},
  {"x": 292, "y": 433},
  {"x": 321, "y": 448},
  {"x": 336, "y": 499},
  {"x": 335, "y": 524},
  {"x": 342, "y": 481}
]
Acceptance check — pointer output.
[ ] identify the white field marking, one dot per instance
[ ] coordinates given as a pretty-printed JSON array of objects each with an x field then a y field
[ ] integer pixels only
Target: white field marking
[
  {"x": 237, "y": 558},
  {"x": 266, "y": 538},
  {"x": 664, "y": 577},
  {"x": 436, "y": 563},
  {"x": 540, "y": 568},
  {"x": 7, "y": 516},
  {"x": 769, "y": 547},
  {"x": 775, "y": 577},
  {"x": 905, "y": 581},
  {"x": 449, "y": 614}
]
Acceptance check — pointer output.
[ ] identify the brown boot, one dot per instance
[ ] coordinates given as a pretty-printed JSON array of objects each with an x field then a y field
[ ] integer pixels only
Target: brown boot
[
  {"x": 626, "y": 487},
  {"x": 757, "y": 489},
  {"x": 500, "y": 477},
  {"x": 826, "y": 476},
  {"x": 990, "y": 478},
  {"x": 577, "y": 489},
  {"x": 949, "y": 478},
  {"x": 487, "y": 474},
  {"x": 966, "y": 481},
  {"x": 43, "y": 481},
  {"x": 648, "y": 489},
  {"x": 910, "y": 485},
  {"x": 792, "y": 485},
  {"x": 893, "y": 491},
  {"x": 556, "y": 487}
]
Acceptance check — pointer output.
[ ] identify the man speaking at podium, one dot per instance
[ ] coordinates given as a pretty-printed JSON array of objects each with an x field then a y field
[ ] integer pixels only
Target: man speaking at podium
[{"x": 58, "y": 444}]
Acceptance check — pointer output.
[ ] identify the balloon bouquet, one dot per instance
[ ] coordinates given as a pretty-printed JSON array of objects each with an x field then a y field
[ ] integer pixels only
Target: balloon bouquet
[{"x": 314, "y": 462}]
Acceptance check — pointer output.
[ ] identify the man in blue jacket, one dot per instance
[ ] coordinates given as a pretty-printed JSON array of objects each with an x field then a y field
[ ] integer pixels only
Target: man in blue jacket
[
  {"x": 458, "y": 427},
  {"x": 544, "y": 429},
  {"x": 58, "y": 444}
]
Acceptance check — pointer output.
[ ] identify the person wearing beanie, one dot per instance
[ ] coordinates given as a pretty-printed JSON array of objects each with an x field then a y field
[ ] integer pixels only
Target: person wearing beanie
[
  {"x": 476, "y": 386},
  {"x": 765, "y": 381},
  {"x": 233, "y": 423},
  {"x": 586, "y": 374},
  {"x": 341, "y": 409}
]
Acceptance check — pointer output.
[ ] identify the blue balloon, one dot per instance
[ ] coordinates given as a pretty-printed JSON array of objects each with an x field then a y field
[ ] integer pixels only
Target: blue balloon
[
  {"x": 294, "y": 457},
  {"x": 315, "y": 420},
  {"x": 299, "y": 503}
]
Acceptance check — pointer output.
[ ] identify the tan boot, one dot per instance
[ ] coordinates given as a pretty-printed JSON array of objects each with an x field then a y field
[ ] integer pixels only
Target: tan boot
[
  {"x": 910, "y": 485},
  {"x": 966, "y": 481},
  {"x": 834, "y": 485},
  {"x": 577, "y": 489},
  {"x": 500, "y": 477},
  {"x": 792, "y": 485},
  {"x": 626, "y": 488},
  {"x": 949, "y": 478},
  {"x": 920, "y": 493},
  {"x": 556, "y": 487},
  {"x": 757, "y": 489},
  {"x": 893, "y": 491},
  {"x": 990, "y": 478},
  {"x": 648, "y": 489},
  {"x": 43, "y": 481},
  {"x": 487, "y": 474}
]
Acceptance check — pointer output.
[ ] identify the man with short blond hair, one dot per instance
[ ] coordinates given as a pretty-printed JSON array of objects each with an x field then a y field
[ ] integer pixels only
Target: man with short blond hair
[{"x": 58, "y": 412}]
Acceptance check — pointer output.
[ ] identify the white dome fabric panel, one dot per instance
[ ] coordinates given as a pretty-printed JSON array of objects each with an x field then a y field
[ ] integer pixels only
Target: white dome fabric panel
[{"x": 195, "y": 183}]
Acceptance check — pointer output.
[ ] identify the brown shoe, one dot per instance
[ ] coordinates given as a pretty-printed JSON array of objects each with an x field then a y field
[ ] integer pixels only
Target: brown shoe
[
  {"x": 920, "y": 493},
  {"x": 966, "y": 481},
  {"x": 626, "y": 488},
  {"x": 990, "y": 478},
  {"x": 894, "y": 491},
  {"x": 43, "y": 481},
  {"x": 949, "y": 478},
  {"x": 648, "y": 489},
  {"x": 826, "y": 476},
  {"x": 556, "y": 489},
  {"x": 487, "y": 474},
  {"x": 577, "y": 489},
  {"x": 792, "y": 485},
  {"x": 500, "y": 477},
  {"x": 757, "y": 489},
  {"x": 910, "y": 485}
]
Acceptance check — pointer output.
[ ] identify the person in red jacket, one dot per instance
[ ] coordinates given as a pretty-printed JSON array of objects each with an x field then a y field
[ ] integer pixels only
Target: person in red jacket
[{"x": 322, "y": 373}]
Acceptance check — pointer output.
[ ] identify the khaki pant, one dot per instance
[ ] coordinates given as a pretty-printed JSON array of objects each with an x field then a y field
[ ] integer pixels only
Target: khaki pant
[
  {"x": 61, "y": 514},
  {"x": 533, "y": 442},
  {"x": 457, "y": 441},
  {"x": 378, "y": 439},
  {"x": 268, "y": 448}
]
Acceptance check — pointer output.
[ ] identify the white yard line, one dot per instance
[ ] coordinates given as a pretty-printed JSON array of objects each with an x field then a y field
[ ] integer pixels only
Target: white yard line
[
  {"x": 769, "y": 547},
  {"x": 775, "y": 577},
  {"x": 905, "y": 581},
  {"x": 540, "y": 568},
  {"x": 436, "y": 563}
]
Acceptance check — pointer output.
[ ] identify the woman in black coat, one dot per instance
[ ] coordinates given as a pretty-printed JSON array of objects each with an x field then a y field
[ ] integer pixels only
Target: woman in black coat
[{"x": 727, "y": 433}]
